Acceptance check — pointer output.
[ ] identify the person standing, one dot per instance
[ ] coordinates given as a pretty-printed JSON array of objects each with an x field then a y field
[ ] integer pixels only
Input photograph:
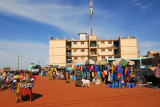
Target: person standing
[
  {"x": 2, "y": 81},
  {"x": 78, "y": 78}
]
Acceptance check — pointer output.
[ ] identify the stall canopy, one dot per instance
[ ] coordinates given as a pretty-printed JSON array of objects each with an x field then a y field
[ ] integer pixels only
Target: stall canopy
[
  {"x": 63, "y": 67},
  {"x": 90, "y": 62},
  {"x": 79, "y": 64},
  {"x": 55, "y": 66},
  {"x": 101, "y": 62},
  {"x": 123, "y": 62}
]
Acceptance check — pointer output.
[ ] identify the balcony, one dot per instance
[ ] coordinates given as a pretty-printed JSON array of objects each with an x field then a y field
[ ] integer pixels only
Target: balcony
[
  {"x": 69, "y": 61},
  {"x": 69, "y": 54},
  {"x": 93, "y": 43}
]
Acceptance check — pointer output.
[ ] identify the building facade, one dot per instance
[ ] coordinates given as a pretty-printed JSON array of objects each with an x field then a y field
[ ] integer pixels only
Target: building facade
[{"x": 69, "y": 52}]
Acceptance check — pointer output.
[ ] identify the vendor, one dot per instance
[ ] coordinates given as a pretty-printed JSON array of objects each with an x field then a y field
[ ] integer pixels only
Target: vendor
[{"x": 2, "y": 81}]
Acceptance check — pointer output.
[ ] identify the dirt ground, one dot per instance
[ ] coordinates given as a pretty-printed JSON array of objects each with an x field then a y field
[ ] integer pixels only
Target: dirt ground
[{"x": 58, "y": 93}]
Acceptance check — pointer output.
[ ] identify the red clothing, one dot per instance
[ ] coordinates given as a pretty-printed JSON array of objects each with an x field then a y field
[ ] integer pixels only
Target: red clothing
[
  {"x": 33, "y": 76},
  {"x": 89, "y": 67},
  {"x": 157, "y": 72},
  {"x": 93, "y": 70}
]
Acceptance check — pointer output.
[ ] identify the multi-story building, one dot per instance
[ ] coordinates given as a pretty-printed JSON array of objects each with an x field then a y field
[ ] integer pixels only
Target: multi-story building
[{"x": 68, "y": 52}]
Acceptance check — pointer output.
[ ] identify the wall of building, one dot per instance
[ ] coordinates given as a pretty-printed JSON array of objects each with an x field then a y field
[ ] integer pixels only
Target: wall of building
[
  {"x": 106, "y": 57},
  {"x": 105, "y": 45},
  {"x": 106, "y": 52},
  {"x": 57, "y": 52},
  {"x": 128, "y": 48},
  {"x": 79, "y": 53},
  {"x": 92, "y": 37},
  {"x": 79, "y": 45}
]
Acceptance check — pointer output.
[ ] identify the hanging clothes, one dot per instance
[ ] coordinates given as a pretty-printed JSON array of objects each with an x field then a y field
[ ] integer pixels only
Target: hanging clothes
[
  {"x": 84, "y": 68},
  {"x": 126, "y": 73},
  {"x": 82, "y": 74},
  {"x": 105, "y": 67},
  {"x": 109, "y": 77},
  {"x": 119, "y": 76},
  {"x": 157, "y": 72},
  {"x": 75, "y": 67},
  {"x": 98, "y": 74},
  {"x": 119, "y": 69},
  {"x": 105, "y": 72},
  {"x": 89, "y": 67},
  {"x": 95, "y": 68},
  {"x": 100, "y": 67},
  {"x": 115, "y": 69}
]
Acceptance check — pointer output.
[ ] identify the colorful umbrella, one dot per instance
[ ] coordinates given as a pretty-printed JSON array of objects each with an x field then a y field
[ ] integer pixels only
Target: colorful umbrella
[
  {"x": 90, "y": 62},
  {"x": 123, "y": 62},
  {"x": 101, "y": 62}
]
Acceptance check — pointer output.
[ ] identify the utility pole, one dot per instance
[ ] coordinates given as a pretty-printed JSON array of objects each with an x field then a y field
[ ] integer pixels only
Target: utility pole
[
  {"x": 139, "y": 51},
  {"x": 91, "y": 13},
  {"x": 18, "y": 61}
]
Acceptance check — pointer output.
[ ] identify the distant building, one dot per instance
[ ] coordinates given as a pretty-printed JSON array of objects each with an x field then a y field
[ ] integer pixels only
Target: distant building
[
  {"x": 153, "y": 54},
  {"x": 68, "y": 52},
  {"x": 152, "y": 59}
]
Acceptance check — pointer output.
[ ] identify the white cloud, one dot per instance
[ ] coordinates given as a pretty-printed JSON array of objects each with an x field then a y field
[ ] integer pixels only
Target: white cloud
[
  {"x": 31, "y": 52},
  {"x": 65, "y": 17},
  {"x": 144, "y": 7},
  {"x": 70, "y": 19},
  {"x": 138, "y": 4}
]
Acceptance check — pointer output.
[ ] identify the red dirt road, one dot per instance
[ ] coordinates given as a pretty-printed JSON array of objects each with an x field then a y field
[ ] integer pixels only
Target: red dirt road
[{"x": 57, "y": 93}]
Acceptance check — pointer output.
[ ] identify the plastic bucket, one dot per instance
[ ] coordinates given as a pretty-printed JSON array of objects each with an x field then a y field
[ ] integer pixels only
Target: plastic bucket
[
  {"x": 122, "y": 87},
  {"x": 132, "y": 85}
]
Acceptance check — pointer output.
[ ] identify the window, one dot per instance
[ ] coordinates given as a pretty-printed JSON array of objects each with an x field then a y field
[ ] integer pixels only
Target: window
[
  {"x": 82, "y": 42},
  {"x": 103, "y": 57},
  {"x": 75, "y": 58},
  {"x": 102, "y": 42},
  {"x": 102, "y": 50},
  {"x": 75, "y": 50},
  {"x": 109, "y": 49},
  {"x": 75, "y": 43},
  {"x": 82, "y": 57},
  {"x": 109, "y": 42},
  {"x": 82, "y": 50},
  {"x": 110, "y": 57}
]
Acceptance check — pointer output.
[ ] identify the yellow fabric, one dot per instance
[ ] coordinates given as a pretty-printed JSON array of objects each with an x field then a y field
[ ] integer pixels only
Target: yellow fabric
[
  {"x": 131, "y": 74},
  {"x": 92, "y": 74},
  {"x": 18, "y": 88},
  {"x": 51, "y": 69},
  {"x": 112, "y": 68},
  {"x": 49, "y": 74},
  {"x": 4, "y": 75}
]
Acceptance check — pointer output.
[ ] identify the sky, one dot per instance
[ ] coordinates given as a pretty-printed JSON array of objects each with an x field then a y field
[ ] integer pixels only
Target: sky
[{"x": 26, "y": 25}]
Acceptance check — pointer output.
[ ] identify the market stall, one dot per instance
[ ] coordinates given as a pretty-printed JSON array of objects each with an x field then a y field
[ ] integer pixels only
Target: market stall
[{"x": 24, "y": 82}]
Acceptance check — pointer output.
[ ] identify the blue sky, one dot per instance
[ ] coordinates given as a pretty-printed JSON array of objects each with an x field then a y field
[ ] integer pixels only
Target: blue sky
[{"x": 25, "y": 25}]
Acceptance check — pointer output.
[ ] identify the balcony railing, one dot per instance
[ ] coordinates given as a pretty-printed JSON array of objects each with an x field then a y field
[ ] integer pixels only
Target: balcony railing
[
  {"x": 69, "y": 62},
  {"x": 93, "y": 45},
  {"x": 93, "y": 53},
  {"x": 69, "y": 54},
  {"x": 68, "y": 46},
  {"x": 116, "y": 53}
]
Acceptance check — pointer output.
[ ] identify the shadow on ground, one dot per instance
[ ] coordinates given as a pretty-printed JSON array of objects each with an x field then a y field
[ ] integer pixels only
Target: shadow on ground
[{"x": 34, "y": 97}]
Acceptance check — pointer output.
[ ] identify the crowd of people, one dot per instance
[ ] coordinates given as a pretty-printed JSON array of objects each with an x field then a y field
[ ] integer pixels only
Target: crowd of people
[
  {"x": 94, "y": 73},
  {"x": 6, "y": 79}
]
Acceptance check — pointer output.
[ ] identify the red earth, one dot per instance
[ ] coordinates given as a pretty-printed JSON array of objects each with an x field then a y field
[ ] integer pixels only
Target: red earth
[{"x": 58, "y": 93}]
